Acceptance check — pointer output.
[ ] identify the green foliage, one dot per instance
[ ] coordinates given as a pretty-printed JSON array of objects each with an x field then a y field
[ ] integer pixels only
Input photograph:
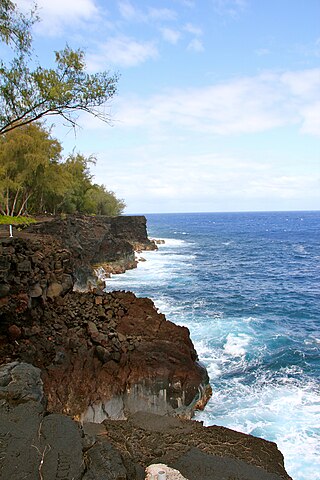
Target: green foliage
[
  {"x": 28, "y": 158},
  {"x": 98, "y": 200},
  {"x": 15, "y": 27},
  {"x": 27, "y": 94},
  {"x": 7, "y": 220},
  {"x": 34, "y": 179}
]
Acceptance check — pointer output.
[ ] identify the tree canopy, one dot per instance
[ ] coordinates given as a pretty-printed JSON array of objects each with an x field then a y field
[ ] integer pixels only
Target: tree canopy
[
  {"x": 29, "y": 93},
  {"x": 34, "y": 179}
]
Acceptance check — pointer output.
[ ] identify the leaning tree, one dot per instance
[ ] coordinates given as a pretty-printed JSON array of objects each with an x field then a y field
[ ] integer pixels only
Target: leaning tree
[{"x": 29, "y": 92}]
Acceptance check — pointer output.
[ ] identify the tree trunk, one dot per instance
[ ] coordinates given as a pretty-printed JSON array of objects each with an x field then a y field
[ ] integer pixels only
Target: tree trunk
[
  {"x": 24, "y": 204},
  {"x": 14, "y": 202}
]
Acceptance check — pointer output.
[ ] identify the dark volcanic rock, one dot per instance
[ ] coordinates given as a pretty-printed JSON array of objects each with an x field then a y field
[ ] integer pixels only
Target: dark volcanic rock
[
  {"x": 99, "y": 240},
  {"x": 101, "y": 354},
  {"x": 109, "y": 355},
  {"x": 199, "y": 453},
  {"x": 35, "y": 444}
]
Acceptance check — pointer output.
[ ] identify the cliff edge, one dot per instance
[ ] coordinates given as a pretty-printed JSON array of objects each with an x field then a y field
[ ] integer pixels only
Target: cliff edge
[
  {"x": 97, "y": 385},
  {"x": 101, "y": 354}
]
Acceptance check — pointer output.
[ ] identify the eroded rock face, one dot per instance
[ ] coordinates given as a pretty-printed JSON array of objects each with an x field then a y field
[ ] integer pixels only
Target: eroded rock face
[
  {"x": 99, "y": 240},
  {"x": 101, "y": 354},
  {"x": 36, "y": 444},
  {"x": 108, "y": 355}
]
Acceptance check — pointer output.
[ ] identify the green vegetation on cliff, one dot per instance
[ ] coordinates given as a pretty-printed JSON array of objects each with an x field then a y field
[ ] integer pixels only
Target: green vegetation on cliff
[{"x": 34, "y": 179}]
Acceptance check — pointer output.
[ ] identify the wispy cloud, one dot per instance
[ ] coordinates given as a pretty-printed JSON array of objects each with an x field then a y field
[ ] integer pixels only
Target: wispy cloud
[
  {"x": 196, "y": 45},
  {"x": 57, "y": 15},
  {"x": 193, "y": 29},
  {"x": 161, "y": 14},
  {"x": 190, "y": 180},
  {"x": 128, "y": 11},
  {"x": 186, "y": 3},
  {"x": 131, "y": 13},
  {"x": 231, "y": 8},
  {"x": 170, "y": 35},
  {"x": 121, "y": 51},
  {"x": 245, "y": 105}
]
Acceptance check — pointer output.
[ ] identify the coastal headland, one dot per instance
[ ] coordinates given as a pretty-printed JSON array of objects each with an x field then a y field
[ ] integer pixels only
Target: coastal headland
[{"x": 97, "y": 385}]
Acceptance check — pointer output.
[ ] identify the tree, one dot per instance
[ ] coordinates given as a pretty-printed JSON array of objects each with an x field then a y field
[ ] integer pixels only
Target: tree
[
  {"x": 27, "y": 94},
  {"x": 15, "y": 27},
  {"x": 34, "y": 178},
  {"x": 100, "y": 201},
  {"x": 28, "y": 160},
  {"x": 83, "y": 196},
  {"x": 77, "y": 167}
]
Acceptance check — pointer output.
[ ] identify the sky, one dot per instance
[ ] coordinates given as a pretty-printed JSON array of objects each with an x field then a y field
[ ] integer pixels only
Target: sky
[{"x": 218, "y": 104}]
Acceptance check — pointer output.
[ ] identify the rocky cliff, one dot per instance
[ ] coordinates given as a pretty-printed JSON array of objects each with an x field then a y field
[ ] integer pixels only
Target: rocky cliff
[
  {"x": 37, "y": 444},
  {"x": 101, "y": 357},
  {"x": 110, "y": 242}
]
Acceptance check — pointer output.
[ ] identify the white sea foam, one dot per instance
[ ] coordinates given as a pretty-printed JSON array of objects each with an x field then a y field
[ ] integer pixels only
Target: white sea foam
[
  {"x": 300, "y": 249},
  {"x": 285, "y": 410},
  {"x": 172, "y": 242},
  {"x": 235, "y": 344}
]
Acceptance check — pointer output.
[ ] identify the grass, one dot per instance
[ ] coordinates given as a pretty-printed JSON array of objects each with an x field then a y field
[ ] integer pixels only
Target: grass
[{"x": 8, "y": 220}]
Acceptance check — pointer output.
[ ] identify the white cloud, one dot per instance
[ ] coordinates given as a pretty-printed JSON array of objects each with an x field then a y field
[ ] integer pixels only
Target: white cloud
[
  {"x": 56, "y": 15},
  {"x": 311, "y": 119},
  {"x": 244, "y": 105},
  {"x": 193, "y": 29},
  {"x": 178, "y": 182},
  {"x": 130, "y": 13},
  {"x": 305, "y": 83},
  {"x": 161, "y": 14},
  {"x": 231, "y": 8},
  {"x": 122, "y": 51},
  {"x": 195, "y": 45},
  {"x": 170, "y": 35}
]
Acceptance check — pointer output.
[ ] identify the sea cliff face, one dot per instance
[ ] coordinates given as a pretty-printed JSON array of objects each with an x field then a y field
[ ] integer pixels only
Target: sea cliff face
[
  {"x": 101, "y": 357},
  {"x": 38, "y": 444}
]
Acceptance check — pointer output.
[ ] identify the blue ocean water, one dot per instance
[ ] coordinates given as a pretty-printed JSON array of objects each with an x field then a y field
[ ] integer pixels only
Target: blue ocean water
[{"x": 247, "y": 286}]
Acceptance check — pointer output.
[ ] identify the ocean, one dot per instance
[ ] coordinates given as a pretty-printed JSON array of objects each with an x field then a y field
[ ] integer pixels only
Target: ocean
[{"x": 247, "y": 287}]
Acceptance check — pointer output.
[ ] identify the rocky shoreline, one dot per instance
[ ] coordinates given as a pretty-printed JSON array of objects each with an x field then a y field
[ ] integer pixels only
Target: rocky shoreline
[{"x": 107, "y": 358}]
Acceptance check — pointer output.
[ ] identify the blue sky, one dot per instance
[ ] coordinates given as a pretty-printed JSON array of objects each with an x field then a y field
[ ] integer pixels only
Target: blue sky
[{"x": 218, "y": 106}]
